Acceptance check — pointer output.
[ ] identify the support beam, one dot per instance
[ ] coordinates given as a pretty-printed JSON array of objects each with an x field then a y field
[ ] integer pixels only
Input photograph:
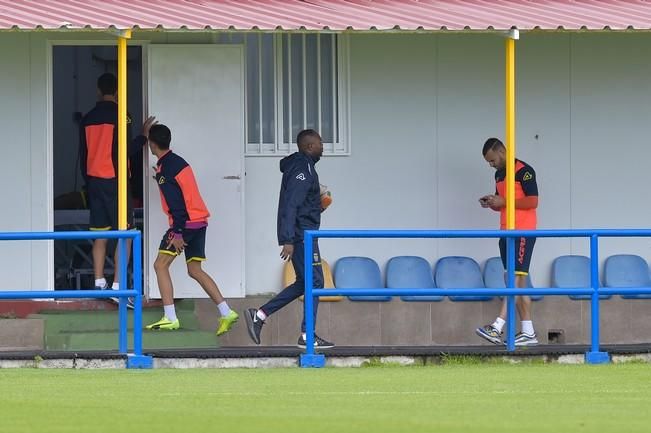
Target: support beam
[
  {"x": 510, "y": 128},
  {"x": 509, "y": 104},
  {"x": 122, "y": 132}
]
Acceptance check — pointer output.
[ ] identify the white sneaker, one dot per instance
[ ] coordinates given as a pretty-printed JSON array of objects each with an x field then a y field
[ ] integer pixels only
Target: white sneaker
[
  {"x": 115, "y": 300},
  {"x": 523, "y": 339}
]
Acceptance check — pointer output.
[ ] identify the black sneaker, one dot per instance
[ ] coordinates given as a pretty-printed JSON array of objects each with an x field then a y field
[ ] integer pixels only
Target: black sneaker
[
  {"x": 130, "y": 302},
  {"x": 253, "y": 324},
  {"x": 319, "y": 343}
]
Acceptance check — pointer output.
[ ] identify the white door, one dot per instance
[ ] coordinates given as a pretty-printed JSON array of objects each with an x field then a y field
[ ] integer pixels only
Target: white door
[{"x": 198, "y": 92}]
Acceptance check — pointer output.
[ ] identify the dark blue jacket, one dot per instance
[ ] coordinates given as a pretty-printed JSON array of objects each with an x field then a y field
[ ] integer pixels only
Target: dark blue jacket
[{"x": 299, "y": 205}]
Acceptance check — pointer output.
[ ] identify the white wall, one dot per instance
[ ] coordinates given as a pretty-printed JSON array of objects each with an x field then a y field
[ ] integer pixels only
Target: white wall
[
  {"x": 16, "y": 154},
  {"x": 25, "y": 176},
  {"x": 611, "y": 136},
  {"x": 543, "y": 137},
  {"x": 421, "y": 107}
]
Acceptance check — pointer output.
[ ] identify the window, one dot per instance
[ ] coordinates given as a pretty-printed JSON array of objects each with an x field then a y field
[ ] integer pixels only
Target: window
[{"x": 293, "y": 82}]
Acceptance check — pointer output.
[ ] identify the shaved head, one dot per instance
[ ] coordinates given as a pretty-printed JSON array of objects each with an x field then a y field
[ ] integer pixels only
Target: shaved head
[{"x": 309, "y": 142}]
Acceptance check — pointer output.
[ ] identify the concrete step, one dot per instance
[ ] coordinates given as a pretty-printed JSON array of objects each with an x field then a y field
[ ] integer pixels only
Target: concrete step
[
  {"x": 182, "y": 338},
  {"x": 21, "y": 334},
  {"x": 23, "y": 308},
  {"x": 98, "y": 329},
  {"x": 98, "y": 321}
]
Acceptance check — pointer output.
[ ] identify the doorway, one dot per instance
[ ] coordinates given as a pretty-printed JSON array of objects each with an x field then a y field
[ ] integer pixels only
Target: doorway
[{"x": 75, "y": 69}]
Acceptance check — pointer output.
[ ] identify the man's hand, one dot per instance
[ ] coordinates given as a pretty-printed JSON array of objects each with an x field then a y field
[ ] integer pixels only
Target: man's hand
[
  {"x": 178, "y": 244},
  {"x": 496, "y": 202},
  {"x": 151, "y": 121},
  {"x": 287, "y": 252}
]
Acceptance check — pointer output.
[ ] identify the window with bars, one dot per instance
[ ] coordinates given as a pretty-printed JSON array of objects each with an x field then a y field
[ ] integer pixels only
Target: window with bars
[{"x": 294, "y": 82}]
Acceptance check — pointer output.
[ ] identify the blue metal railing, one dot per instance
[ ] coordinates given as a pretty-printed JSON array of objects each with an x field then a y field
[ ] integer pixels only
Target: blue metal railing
[
  {"x": 135, "y": 359},
  {"x": 594, "y": 356}
]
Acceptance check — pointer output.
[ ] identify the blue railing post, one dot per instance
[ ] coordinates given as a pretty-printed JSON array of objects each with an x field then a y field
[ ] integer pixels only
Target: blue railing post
[
  {"x": 309, "y": 300},
  {"x": 510, "y": 300},
  {"x": 138, "y": 360},
  {"x": 595, "y": 356},
  {"x": 309, "y": 358},
  {"x": 137, "y": 300},
  {"x": 122, "y": 301},
  {"x": 133, "y": 360}
]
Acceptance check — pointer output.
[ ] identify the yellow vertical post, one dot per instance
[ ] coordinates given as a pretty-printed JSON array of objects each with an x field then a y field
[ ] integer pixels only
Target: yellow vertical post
[
  {"x": 510, "y": 129},
  {"x": 122, "y": 128},
  {"x": 510, "y": 180}
]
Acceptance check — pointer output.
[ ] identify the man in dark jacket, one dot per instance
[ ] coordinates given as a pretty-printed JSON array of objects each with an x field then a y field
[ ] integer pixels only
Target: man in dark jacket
[{"x": 299, "y": 209}]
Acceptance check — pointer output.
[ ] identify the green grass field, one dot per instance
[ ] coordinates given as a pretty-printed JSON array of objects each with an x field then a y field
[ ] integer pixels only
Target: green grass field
[{"x": 449, "y": 398}]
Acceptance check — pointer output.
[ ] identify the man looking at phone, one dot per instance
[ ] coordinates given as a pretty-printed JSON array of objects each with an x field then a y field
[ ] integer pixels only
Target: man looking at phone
[{"x": 526, "y": 203}]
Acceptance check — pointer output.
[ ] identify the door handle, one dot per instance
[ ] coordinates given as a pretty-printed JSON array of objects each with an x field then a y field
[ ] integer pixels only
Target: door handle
[{"x": 231, "y": 178}]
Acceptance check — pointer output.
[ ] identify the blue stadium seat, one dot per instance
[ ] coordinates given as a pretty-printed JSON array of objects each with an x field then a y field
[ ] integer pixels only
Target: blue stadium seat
[
  {"x": 627, "y": 270},
  {"x": 494, "y": 276},
  {"x": 569, "y": 272},
  {"x": 359, "y": 273},
  {"x": 494, "y": 273},
  {"x": 411, "y": 272},
  {"x": 456, "y": 272}
]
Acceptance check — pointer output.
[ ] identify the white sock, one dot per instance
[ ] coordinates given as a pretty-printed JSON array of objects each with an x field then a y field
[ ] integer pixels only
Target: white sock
[
  {"x": 261, "y": 315},
  {"x": 499, "y": 324},
  {"x": 100, "y": 282},
  {"x": 224, "y": 309},
  {"x": 170, "y": 312},
  {"x": 526, "y": 326},
  {"x": 116, "y": 286},
  {"x": 304, "y": 336}
]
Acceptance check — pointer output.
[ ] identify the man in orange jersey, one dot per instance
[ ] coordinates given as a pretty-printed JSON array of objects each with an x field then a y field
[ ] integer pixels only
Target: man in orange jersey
[
  {"x": 188, "y": 217},
  {"x": 526, "y": 203},
  {"x": 99, "y": 167}
]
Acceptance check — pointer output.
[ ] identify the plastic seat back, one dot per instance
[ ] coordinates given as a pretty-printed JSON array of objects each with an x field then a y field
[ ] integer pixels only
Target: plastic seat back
[{"x": 359, "y": 273}]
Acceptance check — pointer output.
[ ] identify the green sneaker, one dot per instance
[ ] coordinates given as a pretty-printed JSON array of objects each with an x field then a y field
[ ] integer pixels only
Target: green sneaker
[
  {"x": 226, "y": 322},
  {"x": 164, "y": 324}
]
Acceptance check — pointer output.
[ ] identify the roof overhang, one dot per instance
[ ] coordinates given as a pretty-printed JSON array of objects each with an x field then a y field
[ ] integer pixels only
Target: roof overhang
[{"x": 326, "y": 15}]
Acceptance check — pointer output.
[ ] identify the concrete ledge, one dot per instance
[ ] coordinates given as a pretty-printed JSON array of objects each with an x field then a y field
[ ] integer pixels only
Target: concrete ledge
[
  {"x": 225, "y": 363},
  {"x": 333, "y": 361},
  {"x": 623, "y": 359},
  {"x": 21, "y": 334},
  {"x": 99, "y": 363},
  {"x": 557, "y": 319}
]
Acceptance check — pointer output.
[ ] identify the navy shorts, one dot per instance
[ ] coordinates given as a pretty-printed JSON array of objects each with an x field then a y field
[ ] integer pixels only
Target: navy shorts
[
  {"x": 523, "y": 253},
  {"x": 103, "y": 204},
  {"x": 195, "y": 250}
]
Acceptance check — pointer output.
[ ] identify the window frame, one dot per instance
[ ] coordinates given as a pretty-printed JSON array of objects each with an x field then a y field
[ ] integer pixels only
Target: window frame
[{"x": 338, "y": 147}]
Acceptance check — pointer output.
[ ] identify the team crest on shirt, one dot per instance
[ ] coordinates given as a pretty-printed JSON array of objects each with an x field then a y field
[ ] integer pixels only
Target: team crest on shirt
[{"x": 527, "y": 176}]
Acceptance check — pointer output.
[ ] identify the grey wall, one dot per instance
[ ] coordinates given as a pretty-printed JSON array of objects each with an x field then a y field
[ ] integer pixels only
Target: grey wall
[{"x": 421, "y": 107}]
